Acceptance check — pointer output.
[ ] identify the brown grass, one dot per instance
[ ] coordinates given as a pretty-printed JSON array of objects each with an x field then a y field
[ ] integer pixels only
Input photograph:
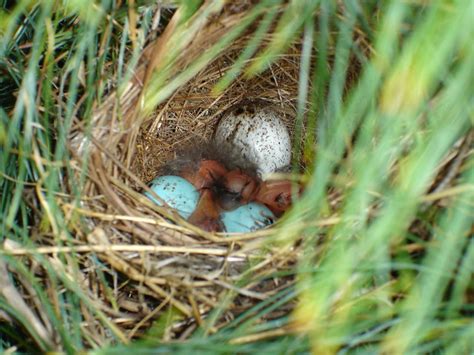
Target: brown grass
[{"x": 153, "y": 258}]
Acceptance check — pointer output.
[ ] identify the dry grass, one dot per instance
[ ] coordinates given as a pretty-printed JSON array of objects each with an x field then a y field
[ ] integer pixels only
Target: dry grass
[
  {"x": 152, "y": 259},
  {"x": 193, "y": 112},
  {"x": 155, "y": 258}
]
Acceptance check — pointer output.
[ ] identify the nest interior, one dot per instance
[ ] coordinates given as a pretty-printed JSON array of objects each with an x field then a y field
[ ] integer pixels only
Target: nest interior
[
  {"x": 159, "y": 261},
  {"x": 193, "y": 112}
]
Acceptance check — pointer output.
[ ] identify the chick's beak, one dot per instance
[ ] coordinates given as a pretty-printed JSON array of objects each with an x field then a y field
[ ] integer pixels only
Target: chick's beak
[
  {"x": 276, "y": 195},
  {"x": 206, "y": 214}
]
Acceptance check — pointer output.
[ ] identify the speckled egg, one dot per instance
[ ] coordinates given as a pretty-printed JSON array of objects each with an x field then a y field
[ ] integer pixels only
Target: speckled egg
[
  {"x": 176, "y": 192},
  {"x": 247, "y": 218},
  {"x": 256, "y": 134}
]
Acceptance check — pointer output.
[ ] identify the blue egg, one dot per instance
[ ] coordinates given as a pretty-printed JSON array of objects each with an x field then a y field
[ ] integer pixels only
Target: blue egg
[
  {"x": 177, "y": 192},
  {"x": 247, "y": 218}
]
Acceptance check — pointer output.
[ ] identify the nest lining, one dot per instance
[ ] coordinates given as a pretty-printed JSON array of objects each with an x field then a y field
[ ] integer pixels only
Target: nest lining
[{"x": 193, "y": 112}]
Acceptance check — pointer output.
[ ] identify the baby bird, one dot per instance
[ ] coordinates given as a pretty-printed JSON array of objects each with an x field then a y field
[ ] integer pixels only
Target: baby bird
[
  {"x": 223, "y": 186},
  {"x": 207, "y": 213},
  {"x": 205, "y": 175},
  {"x": 236, "y": 188}
]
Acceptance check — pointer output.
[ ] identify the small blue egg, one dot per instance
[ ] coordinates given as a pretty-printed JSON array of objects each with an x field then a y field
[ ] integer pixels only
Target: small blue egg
[
  {"x": 247, "y": 218},
  {"x": 177, "y": 192}
]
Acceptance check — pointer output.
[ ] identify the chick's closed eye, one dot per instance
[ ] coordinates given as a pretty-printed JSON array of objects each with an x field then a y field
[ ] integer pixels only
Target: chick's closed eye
[{"x": 228, "y": 200}]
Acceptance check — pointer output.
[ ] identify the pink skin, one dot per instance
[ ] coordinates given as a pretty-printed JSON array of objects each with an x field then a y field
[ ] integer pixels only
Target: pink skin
[
  {"x": 241, "y": 184},
  {"x": 276, "y": 195},
  {"x": 221, "y": 189},
  {"x": 209, "y": 171},
  {"x": 206, "y": 214}
]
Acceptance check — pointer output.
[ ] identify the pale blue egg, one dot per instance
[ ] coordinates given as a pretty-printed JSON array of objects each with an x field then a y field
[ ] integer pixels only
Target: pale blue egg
[
  {"x": 177, "y": 192},
  {"x": 247, "y": 218}
]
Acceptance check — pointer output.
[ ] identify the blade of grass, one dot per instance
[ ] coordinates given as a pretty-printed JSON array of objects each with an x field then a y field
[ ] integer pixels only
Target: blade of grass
[
  {"x": 249, "y": 50},
  {"x": 289, "y": 26}
]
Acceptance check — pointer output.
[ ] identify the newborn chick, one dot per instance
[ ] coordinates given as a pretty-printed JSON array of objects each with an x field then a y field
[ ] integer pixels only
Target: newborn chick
[
  {"x": 223, "y": 186},
  {"x": 207, "y": 213},
  {"x": 204, "y": 178},
  {"x": 206, "y": 174},
  {"x": 239, "y": 188},
  {"x": 235, "y": 188}
]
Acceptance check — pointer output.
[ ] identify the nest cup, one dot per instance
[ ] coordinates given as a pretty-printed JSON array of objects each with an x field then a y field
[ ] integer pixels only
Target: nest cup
[{"x": 159, "y": 260}]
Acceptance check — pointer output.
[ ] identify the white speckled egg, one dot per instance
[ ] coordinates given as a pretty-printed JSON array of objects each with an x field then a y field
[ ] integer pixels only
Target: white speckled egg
[
  {"x": 177, "y": 192},
  {"x": 255, "y": 134},
  {"x": 247, "y": 218}
]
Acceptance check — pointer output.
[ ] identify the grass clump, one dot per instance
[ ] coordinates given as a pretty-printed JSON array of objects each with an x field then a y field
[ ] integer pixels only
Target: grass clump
[{"x": 376, "y": 256}]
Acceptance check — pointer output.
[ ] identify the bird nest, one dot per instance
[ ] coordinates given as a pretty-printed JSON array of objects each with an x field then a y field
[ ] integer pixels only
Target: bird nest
[{"x": 153, "y": 261}]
